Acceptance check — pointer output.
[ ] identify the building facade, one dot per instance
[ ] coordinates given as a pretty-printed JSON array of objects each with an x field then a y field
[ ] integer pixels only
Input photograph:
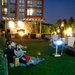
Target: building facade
[
  {"x": 21, "y": 14},
  {"x": 19, "y": 9}
]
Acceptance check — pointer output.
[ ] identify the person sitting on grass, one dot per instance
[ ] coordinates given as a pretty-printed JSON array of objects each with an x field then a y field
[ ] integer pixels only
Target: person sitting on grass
[
  {"x": 26, "y": 59},
  {"x": 19, "y": 53},
  {"x": 10, "y": 53}
]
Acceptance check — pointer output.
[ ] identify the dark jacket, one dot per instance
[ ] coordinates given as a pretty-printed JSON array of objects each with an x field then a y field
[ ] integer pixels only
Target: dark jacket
[{"x": 10, "y": 54}]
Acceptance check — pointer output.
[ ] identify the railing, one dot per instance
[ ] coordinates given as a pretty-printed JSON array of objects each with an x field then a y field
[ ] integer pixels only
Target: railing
[{"x": 6, "y": 65}]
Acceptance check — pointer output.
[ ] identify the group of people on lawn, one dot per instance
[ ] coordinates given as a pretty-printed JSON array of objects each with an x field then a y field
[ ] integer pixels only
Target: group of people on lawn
[{"x": 14, "y": 49}]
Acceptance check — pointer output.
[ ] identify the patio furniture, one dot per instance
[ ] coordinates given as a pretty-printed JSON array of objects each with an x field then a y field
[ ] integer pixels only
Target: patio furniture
[{"x": 70, "y": 51}]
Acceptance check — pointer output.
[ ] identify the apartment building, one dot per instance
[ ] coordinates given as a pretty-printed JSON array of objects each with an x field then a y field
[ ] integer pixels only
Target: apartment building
[
  {"x": 21, "y": 14},
  {"x": 20, "y": 9}
]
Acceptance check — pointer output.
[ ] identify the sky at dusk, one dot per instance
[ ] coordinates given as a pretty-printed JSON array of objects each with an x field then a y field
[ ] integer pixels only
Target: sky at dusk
[{"x": 58, "y": 9}]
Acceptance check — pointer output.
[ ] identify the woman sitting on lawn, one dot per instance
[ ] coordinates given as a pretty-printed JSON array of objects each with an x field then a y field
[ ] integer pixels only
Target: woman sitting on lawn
[
  {"x": 22, "y": 57},
  {"x": 26, "y": 59}
]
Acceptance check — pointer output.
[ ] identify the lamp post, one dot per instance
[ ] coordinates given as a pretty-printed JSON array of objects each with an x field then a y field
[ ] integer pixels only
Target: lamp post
[
  {"x": 5, "y": 28},
  {"x": 57, "y": 43},
  {"x": 40, "y": 27}
]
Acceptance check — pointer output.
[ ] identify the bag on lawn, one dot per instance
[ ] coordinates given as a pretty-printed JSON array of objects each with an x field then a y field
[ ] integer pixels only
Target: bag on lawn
[{"x": 16, "y": 61}]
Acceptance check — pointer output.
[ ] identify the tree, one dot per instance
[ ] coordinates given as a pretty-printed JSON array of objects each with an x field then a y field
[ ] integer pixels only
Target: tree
[
  {"x": 46, "y": 29},
  {"x": 65, "y": 23},
  {"x": 70, "y": 22},
  {"x": 53, "y": 28},
  {"x": 2, "y": 26},
  {"x": 58, "y": 24}
]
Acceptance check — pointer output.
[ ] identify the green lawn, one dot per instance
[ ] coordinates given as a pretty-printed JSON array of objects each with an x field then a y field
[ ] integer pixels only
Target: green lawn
[{"x": 64, "y": 65}]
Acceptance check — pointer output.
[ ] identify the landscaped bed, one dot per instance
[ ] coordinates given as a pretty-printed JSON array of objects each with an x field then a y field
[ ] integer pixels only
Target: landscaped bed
[
  {"x": 64, "y": 65},
  {"x": 2, "y": 64},
  {"x": 2, "y": 59}
]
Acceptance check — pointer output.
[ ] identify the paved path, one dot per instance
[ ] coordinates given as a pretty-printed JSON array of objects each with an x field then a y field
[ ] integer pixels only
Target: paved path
[{"x": 28, "y": 39}]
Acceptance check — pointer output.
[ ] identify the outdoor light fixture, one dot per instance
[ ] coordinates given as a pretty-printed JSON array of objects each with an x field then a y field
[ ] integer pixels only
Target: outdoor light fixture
[
  {"x": 21, "y": 33},
  {"x": 20, "y": 24},
  {"x": 69, "y": 32},
  {"x": 11, "y": 24},
  {"x": 62, "y": 24},
  {"x": 54, "y": 32},
  {"x": 57, "y": 43},
  {"x": 58, "y": 31},
  {"x": 39, "y": 53}
]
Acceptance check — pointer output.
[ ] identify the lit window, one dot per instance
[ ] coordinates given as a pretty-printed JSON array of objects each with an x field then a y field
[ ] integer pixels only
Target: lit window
[
  {"x": 29, "y": 2},
  {"x": 4, "y": 11},
  {"x": 21, "y": 1},
  {"x": 4, "y": 2},
  {"x": 30, "y": 12},
  {"x": 21, "y": 10}
]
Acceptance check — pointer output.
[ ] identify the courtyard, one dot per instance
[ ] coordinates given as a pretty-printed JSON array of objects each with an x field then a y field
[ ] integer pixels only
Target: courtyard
[
  {"x": 37, "y": 37},
  {"x": 64, "y": 65}
]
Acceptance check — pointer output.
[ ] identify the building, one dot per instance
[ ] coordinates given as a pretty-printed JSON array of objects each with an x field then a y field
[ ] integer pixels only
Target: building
[
  {"x": 19, "y": 9},
  {"x": 28, "y": 11}
]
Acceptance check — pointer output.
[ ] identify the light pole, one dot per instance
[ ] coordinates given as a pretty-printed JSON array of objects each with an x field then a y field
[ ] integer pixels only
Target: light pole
[
  {"x": 57, "y": 43},
  {"x": 5, "y": 25},
  {"x": 40, "y": 27}
]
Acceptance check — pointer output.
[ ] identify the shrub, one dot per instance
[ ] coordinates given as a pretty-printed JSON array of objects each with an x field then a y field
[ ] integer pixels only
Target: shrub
[{"x": 2, "y": 42}]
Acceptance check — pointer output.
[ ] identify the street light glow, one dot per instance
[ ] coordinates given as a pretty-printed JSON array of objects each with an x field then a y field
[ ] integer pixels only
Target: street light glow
[
  {"x": 11, "y": 24},
  {"x": 69, "y": 32},
  {"x": 58, "y": 31},
  {"x": 55, "y": 33},
  {"x": 20, "y": 24},
  {"x": 58, "y": 42},
  {"x": 21, "y": 33},
  {"x": 62, "y": 24}
]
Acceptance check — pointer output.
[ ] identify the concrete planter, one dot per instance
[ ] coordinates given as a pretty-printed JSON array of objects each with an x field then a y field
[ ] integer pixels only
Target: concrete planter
[{"x": 70, "y": 41}]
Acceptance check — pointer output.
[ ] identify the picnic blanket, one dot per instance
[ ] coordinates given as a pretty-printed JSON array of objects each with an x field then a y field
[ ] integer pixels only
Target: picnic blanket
[{"x": 34, "y": 61}]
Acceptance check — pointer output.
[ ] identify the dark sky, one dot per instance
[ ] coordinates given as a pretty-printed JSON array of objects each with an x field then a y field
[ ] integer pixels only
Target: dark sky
[{"x": 58, "y": 9}]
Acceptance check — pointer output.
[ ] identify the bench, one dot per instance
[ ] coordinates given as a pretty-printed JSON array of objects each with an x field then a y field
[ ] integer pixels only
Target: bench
[{"x": 70, "y": 51}]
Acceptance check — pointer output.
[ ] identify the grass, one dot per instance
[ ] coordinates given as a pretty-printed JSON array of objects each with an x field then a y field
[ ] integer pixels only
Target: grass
[{"x": 64, "y": 65}]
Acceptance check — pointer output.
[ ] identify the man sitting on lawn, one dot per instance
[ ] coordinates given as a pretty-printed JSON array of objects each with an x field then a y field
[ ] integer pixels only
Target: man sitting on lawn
[{"x": 10, "y": 53}]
